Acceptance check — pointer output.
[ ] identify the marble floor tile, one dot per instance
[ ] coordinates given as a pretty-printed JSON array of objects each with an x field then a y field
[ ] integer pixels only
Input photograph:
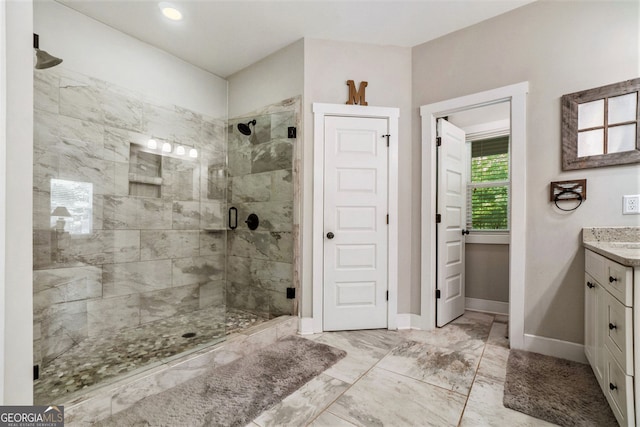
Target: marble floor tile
[
  {"x": 498, "y": 335},
  {"x": 384, "y": 398},
  {"x": 494, "y": 362},
  {"x": 475, "y": 317},
  {"x": 364, "y": 349},
  {"x": 502, "y": 318},
  {"x": 327, "y": 419},
  {"x": 450, "y": 369},
  {"x": 468, "y": 338},
  {"x": 305, "y": 404}
]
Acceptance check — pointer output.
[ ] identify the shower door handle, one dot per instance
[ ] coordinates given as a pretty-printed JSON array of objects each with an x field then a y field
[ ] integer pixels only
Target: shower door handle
[{"x": 233, "y": 225}]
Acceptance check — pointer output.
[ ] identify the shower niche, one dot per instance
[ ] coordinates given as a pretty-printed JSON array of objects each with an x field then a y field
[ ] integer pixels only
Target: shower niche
[{"x": 145, "y": 173}]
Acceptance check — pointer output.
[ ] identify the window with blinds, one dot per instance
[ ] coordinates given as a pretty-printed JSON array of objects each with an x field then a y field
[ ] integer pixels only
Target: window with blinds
[{"x": 488, "y": 189}]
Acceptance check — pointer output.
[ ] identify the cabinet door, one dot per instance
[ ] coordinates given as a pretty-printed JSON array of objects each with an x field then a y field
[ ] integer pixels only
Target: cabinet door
[
  {"x": 590, "y": 321},
  {"x": 618, "y": 331},
  {"x": 593, "y": 331},
  {"x": 600, "y": 331},
  {"x": 619, "y": 391}
]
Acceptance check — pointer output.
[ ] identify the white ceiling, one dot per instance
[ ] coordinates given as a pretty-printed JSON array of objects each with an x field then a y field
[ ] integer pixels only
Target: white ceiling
[{"x": 223, "y": 37}]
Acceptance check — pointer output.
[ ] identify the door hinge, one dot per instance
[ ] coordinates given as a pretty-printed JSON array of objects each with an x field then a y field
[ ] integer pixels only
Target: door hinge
[
  {"x": 36, "y": 372},
  {"x": 387, "y": 295},
  {"x": 387, "y": 136},
  {"x": 437, "y": 293},
  {"x": 387, "y": 219},
  {"x": 438, "y": 218},
  {"x": 291, "y": 293},
  {"x": 438, "y": 141}
]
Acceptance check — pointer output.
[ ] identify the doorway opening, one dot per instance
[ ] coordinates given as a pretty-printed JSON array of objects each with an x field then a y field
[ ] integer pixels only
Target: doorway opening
[
  {"x": 485, "y": 222},
  {"x": 515, "y": 96}
]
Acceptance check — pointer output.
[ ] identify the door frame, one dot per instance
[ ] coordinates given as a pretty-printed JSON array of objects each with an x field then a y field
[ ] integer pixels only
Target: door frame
[
  {"x": 517, "y": 95},
  {"x": 320, "y": 111}
]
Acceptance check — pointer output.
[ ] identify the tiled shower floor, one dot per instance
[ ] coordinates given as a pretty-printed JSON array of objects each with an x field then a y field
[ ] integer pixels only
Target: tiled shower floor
[{"x": 97, "y": 359}]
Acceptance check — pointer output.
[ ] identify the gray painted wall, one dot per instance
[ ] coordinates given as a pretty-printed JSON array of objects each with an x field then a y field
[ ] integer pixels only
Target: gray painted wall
[
  {"x": 278, "y": 76},
  {"x": 487, "y": 272},
  {"x": 327, "y": 67},
  {"x": 559, "y": 47}
]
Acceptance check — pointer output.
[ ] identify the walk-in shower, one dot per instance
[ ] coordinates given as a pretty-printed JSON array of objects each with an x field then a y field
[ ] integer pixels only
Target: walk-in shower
[{"x": 134, "y": 262}]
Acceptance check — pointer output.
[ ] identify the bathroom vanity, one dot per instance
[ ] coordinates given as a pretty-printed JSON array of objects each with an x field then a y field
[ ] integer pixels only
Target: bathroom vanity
[{"x": 612, "y": 271}]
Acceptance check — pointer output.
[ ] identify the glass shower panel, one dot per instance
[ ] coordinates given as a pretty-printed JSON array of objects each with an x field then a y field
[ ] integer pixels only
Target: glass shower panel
[
  {"x": 260, "y": 261},
  {"x": 129, "y": 234}
]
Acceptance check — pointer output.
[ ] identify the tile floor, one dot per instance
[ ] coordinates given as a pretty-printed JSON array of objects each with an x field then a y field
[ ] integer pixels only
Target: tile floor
[{"x": 452, "y": 376}]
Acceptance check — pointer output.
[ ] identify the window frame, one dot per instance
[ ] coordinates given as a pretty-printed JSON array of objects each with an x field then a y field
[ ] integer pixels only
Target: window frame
[
  {"x": 570, "y": 103},
  {"x": 475, "y": 133}
]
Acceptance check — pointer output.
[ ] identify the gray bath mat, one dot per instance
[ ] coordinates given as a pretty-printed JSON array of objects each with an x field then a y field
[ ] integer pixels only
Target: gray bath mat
[
  {"x": 234, "y": 394},
  {"x": 555, "y": 390}
]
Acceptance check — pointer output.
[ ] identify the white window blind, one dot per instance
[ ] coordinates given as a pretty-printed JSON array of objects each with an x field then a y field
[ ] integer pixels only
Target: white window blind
[{"x": 488, "y": 189}]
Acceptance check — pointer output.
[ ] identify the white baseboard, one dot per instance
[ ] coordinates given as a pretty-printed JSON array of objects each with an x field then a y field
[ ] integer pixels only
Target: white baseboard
[
  {"x": 487, "y": 306},
  {"x": 305, "y": 326},
  {"x": 408, "y": 321},
  {"x": 556, "y": 348}
]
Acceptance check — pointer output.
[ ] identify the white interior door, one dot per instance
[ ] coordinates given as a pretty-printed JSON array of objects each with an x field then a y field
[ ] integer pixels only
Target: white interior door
[
  {"x": 355, "y": 226},
  {"x": 451, "y": 205}
]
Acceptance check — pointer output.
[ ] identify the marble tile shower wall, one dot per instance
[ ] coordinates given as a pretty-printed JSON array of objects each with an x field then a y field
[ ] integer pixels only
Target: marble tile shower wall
[
  {"x": 143, "y": 258},
  {"x": 260, "y": 262}
]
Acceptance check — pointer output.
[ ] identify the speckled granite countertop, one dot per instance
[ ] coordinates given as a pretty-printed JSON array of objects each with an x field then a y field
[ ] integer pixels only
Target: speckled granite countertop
[{"x": 621, "y": 244}]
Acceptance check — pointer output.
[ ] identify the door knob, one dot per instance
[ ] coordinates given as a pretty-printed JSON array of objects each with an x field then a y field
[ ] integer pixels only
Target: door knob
[{"x": 330, "y": 235}]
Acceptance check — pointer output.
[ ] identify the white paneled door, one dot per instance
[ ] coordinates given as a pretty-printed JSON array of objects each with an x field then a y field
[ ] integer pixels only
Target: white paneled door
[
  {"x": 355, "y": 223},
  {"x": 451, "y": 205}
]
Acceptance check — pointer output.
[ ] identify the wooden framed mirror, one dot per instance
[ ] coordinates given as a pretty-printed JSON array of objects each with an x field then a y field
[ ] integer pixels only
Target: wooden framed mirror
[{"x": 601, "y": 126}]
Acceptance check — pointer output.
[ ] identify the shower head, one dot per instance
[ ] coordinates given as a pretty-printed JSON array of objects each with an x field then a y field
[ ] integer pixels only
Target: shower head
[
  {"x": 244, "y": 127},
  {"x": 43, "y": 58}
]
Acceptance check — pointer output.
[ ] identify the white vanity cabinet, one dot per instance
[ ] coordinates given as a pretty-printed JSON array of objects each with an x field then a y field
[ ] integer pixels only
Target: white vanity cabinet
[{"x": 609, "y": 331}]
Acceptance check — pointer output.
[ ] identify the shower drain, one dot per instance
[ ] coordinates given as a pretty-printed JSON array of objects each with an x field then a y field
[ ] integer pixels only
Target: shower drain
[{"x": 189, "y": 335}]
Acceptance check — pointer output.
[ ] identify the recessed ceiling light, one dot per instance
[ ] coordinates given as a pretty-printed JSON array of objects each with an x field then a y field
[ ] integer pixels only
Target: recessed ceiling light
[{"x": 170, "y": 11}]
